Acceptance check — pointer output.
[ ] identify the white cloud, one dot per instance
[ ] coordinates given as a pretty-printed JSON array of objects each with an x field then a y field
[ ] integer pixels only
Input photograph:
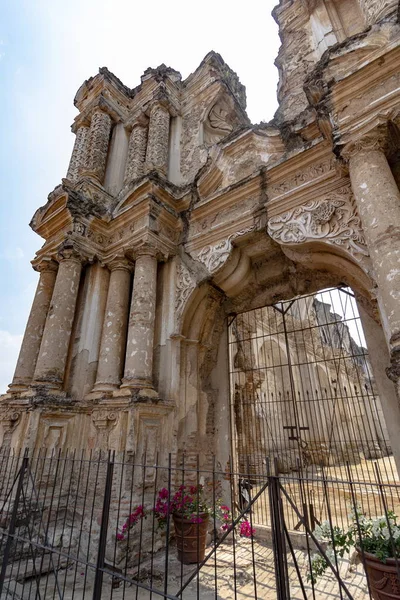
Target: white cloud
[{"x": 9, "y": 350}]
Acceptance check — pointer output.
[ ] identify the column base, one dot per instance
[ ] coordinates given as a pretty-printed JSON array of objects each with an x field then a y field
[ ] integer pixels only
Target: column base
[
  {"x": 138, "y": 387},
  {"x": 136, "y": 383},
  {"x": 48, "y": 387}
]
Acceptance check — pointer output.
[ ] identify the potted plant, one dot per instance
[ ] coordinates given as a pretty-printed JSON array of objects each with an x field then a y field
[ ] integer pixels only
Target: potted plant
[
  {"x": 190, "y": 511},
  {"x": 377, "y": 543}
]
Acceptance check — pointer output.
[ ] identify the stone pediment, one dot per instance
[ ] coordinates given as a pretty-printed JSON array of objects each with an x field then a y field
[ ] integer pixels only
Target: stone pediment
[
  {"x": 213, "y": 68},
  {"x": 239, "y": 158},
  {"x": 53, "y": 215},
  {"x": 174, "y": 198}
]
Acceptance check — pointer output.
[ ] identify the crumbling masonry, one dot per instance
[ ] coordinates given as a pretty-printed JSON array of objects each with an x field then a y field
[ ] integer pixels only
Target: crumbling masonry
[{"x": 176, "y": 211}]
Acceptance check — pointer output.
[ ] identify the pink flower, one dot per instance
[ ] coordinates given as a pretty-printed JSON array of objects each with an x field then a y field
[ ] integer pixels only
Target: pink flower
[
  {"x": 163, "y": 494},
  {"x": 195, "y": 519},
  {"x": 120, "y": 537},
  {"x": 246, "y": 530},
  {"x": 225, "y": 508}
]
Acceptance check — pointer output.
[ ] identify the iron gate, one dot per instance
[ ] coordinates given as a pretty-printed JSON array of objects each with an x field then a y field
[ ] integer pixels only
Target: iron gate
[{"x": 303, "y": 395}]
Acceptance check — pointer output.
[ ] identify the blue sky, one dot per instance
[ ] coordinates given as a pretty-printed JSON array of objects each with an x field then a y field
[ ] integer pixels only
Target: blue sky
[{"x": 47, "y": 49}]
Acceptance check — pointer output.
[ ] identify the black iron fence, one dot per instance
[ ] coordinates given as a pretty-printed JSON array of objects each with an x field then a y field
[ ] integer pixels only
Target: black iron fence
[{"x": 104, "y": 525}]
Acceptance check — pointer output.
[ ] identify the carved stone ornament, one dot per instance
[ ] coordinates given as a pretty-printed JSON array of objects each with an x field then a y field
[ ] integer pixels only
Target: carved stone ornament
[
  {"x": 9, "y": 419},
  {"x": 375, "y": 10},
  {"x": 213, "y": 257},
  {"x": 332, "y": 220},
  {"x": 220, "y": 121},
  {"x": 301, "y": 177},
  {"x": 104, "y": 421},
  {"x": 185, "y": 284}
]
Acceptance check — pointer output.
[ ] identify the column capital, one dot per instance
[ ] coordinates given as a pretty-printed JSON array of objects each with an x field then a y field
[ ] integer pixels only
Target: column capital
[
  {"x": 140, "y": 120},
  {"x": 120, "y": 263},
  {"x": 160, "y": 100},
  {"x": 44, "y": 264},
  {"x": 376, "y": 140},
  {"x": 82, "y": 122},
  {"x": 103, "y": 106},
  {"x": 68, "y": 251},
  {"x": 147, "y": 249}
]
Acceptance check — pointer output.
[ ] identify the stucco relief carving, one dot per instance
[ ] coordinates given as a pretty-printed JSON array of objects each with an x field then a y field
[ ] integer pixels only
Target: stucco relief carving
[
  {"x": 214, "y": 256},
  {"x": 228, "y": 214},
  {"x": 9, "y": 419},
  {"x": 220, "y": 121},
  {"x": 301, "y": 177},
  {"x": 185, "y": 284},
  {"x": 104, "y": 421},
  {"x": 375, "y": 10},
  {"x": 333, "y": 220}
]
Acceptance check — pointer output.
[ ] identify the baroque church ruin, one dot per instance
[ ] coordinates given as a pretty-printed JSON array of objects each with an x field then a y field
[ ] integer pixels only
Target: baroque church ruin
[{"x": 177, "y": 217}]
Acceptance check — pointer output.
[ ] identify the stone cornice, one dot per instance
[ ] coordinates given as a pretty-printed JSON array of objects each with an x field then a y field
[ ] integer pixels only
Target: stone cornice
[
  {"x": 104, "y": 81},
  {"x": 105, "y": 102}
]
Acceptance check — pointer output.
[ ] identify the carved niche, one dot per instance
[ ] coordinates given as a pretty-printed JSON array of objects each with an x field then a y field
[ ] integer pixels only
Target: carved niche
[{"x": 332, "y": 220}]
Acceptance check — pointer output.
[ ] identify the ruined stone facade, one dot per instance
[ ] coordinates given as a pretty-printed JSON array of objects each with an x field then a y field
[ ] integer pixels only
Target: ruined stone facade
[{"x": 176, "y": 211}]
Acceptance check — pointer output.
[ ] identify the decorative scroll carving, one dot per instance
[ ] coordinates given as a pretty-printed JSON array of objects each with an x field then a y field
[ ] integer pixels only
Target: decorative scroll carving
[
  {"x": 215, "y": 256},
  {"x": 333, "y": 220},
  {"x": 301, "y": 177},
  {"x": 185, "y": 284}
]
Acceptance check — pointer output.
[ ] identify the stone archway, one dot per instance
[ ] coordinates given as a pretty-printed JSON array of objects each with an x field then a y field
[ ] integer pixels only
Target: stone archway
[{"x": 256, "y": 273}]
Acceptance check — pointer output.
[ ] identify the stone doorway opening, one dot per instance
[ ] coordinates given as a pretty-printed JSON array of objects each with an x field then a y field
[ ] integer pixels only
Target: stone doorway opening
[{"x": 304, "y": 399}]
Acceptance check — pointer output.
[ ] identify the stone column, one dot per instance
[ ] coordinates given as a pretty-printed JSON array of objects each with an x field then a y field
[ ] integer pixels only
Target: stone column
[
  {"x": 378, "y": 203},
  {"x": 113, "y": 337},
  {"x": 158, "y": 140},
  {"x": 33, "y": 333},
  {"x": 379, "y": 357},
  {"x": 79, "y": 153},
  {"x": 136, "y": 152},
  {"x": 99, "y": 137},
  {"x": 50, "y": 367},
  {"x": 139, "y": 351}
]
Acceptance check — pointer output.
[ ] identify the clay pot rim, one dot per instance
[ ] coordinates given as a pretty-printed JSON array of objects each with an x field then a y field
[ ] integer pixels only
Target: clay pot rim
[{"x": 372, "y": 557}]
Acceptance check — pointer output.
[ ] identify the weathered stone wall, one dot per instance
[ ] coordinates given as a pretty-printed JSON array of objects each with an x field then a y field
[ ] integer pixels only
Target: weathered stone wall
[{"x": 177, "y": 212}]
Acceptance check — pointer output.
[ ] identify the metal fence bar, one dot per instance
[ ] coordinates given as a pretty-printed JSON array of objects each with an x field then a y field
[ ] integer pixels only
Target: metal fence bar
[
  {"x": 98, "y": 583},
  {"x": 13, "y": 520}
]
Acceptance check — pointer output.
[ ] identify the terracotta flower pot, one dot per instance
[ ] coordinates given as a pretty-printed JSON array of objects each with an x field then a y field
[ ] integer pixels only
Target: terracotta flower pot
[
  {"x": 383, "y": 578},
  {"x": 191, "y": 538}
]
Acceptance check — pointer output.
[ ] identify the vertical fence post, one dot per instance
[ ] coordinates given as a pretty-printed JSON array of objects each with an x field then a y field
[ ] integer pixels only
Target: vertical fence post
[
  {"x": 98, "y": 582},
  {"x": 278, "y": 539},
  {"x": 13, "y": 521}
]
